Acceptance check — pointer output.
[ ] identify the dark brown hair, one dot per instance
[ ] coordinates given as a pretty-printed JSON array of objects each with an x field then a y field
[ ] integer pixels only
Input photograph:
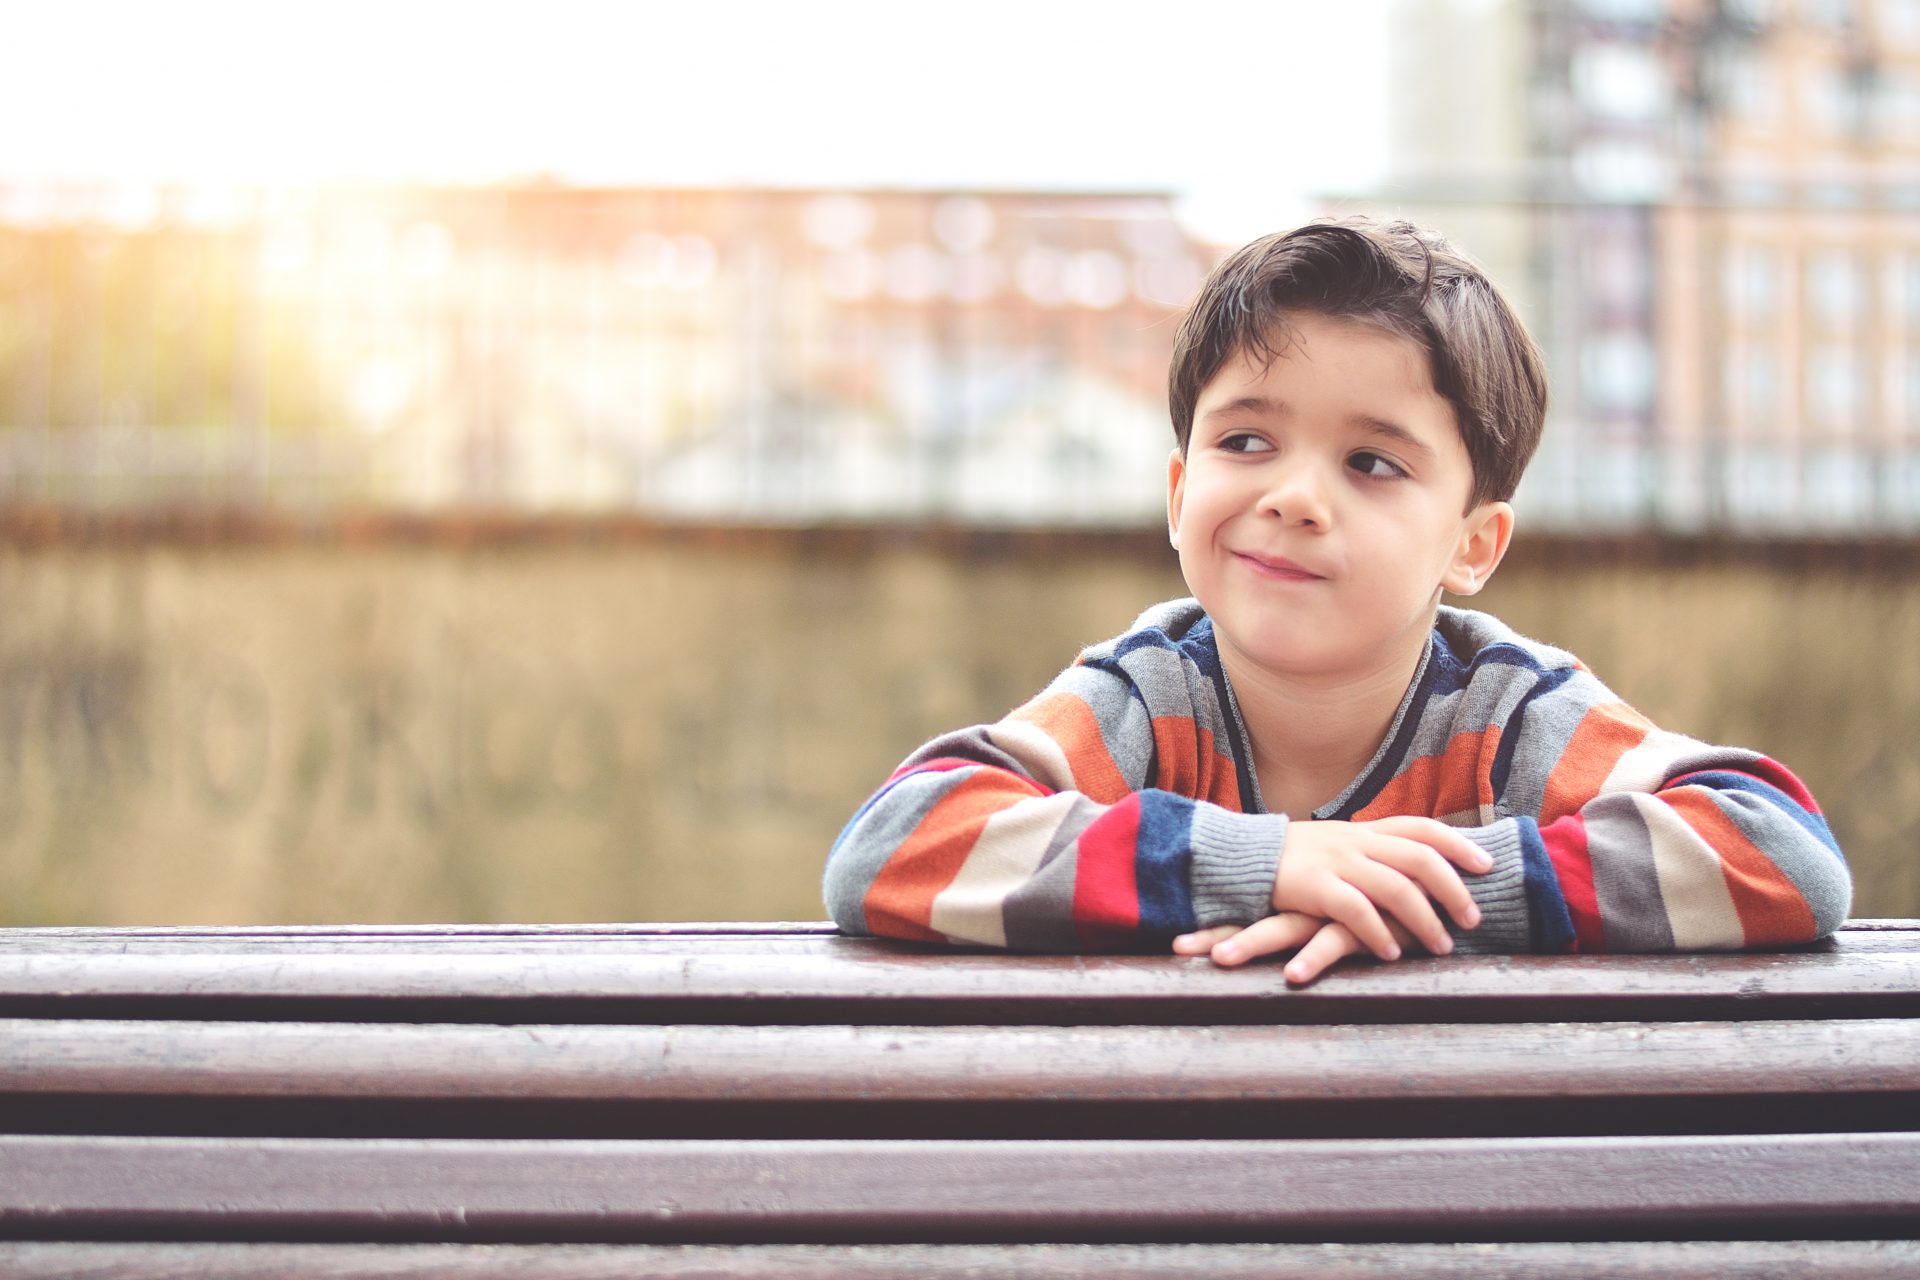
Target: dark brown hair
[{"x": 1402, "y": 278}]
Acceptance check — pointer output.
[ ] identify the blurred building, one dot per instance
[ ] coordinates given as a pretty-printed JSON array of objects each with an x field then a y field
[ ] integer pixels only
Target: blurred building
[
  {"x": 760, "y": 355},
  {"x": 1710, "y": 211}
]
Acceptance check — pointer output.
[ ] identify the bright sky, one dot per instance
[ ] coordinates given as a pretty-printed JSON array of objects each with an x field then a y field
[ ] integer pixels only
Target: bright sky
[{"x": 1241, "y": 107}]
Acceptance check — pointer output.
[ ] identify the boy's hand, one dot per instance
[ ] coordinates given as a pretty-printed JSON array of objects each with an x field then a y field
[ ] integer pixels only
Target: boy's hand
[
  {"x": 1321, "y": 943},
  {"x": 1351, "y": 872}
]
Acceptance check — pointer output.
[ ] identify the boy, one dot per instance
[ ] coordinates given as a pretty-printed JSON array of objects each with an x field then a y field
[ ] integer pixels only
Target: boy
[{"x": 1307, "y": 755}]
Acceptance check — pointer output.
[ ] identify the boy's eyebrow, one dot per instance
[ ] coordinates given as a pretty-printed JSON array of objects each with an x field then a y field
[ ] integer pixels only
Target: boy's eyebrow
[
  {"x": 1249, "y": 404},
  {"x": 1396, "y": 433}
]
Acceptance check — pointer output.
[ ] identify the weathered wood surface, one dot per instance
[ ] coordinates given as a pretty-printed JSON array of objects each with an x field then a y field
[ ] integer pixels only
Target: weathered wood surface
[
  {"x": 1586, "y": 1260},
  {"x": 306, "y": 1089},
  {"x": 986, "y": 1064},
  {"x": 1101, "y": 1191},
  {"x": 804, "y": 976}
]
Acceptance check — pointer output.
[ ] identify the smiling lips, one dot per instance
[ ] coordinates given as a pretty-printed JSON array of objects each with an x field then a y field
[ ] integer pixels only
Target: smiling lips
[{"x": 1278, "y": 568}]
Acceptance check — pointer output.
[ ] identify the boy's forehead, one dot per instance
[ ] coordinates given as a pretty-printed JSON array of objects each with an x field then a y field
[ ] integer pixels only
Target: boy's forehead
[{"x": 1307, "y": 335}]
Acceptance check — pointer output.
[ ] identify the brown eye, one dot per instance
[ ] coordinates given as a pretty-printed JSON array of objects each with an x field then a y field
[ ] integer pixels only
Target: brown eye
[{"x": 1373, "y": 466}]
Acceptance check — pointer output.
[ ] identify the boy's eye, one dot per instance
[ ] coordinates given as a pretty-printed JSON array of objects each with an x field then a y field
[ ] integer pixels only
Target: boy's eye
[
  {"x": 1372, "y": 464},
  {"x": 1244, "y": 442}
]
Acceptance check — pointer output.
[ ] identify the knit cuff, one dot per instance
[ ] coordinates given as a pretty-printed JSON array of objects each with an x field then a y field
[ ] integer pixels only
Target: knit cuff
[
  {"x": 1235, "y": 856},
  {"x": 1501, "y": 894}
]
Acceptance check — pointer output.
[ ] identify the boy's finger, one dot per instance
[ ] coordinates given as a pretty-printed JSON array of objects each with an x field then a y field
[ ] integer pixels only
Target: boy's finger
[
  {"x": 1281, "y": 932},
  {"x": 1201, "y": 941},
  {"x": 1401, "y": 899},
  {"x": 1333, "y": 943},
  {"x": 1437, "y": 835},
  {"x": 1354, "y": 909},
  {"x": 1423, "y": 865},
  {"x": 1457, "y": 847}
]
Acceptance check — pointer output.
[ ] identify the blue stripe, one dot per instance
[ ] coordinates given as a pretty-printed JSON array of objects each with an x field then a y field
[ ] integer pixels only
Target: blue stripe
[
  {"x": 1550, "y": 923},
  {"x": 1162, "y": 855}
]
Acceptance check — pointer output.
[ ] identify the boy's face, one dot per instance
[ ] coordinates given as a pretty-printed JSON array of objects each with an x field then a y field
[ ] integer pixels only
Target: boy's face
[{"x": 1317, "y": 510}]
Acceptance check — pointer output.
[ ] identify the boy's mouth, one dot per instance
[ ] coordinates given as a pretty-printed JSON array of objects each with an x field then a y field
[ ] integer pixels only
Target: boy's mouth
[{"x": 1278, "y": 567}]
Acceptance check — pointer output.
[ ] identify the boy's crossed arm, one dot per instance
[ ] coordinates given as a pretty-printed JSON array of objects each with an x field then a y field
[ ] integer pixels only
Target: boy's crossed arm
[{"x": 1346, "y": 887}]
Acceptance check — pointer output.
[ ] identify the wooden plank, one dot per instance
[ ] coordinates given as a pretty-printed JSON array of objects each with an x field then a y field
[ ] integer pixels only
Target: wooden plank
[
  {"x": 949, "y": 1191},
  {"x": 690, "y": 939},
  {"x": 217, "y": 933},
  {"x": 1553, "y": 1260},
  {"x": 985, "y": 1064},
  {"x": 844, "y": 980}
]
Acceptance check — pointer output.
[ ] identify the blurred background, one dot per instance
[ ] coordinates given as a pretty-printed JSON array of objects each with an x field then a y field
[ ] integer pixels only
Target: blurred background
[{"x": 550, "y": 462}]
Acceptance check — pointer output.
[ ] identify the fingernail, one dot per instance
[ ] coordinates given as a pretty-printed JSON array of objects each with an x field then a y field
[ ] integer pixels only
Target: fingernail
[
  {"x": 1393, "y": 953},
  {"x": 1446, "y": 945},
  {"x": 1227, "y": 951}
]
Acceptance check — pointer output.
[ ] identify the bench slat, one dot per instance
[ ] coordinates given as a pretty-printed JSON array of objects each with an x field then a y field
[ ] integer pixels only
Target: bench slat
[
  {"x": 846, "y": 980},
  {"x": 987, "y": 1065},
  {"x": 1591, "y": 1260},
  {"x": 940, "y": 1191}
]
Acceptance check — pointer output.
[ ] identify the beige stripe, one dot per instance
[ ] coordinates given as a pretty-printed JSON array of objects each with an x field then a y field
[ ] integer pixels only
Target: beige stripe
[
  {"x": 1008, "y": 852},
  {"x": 1036, "y": 750},
  {"x": 1646, "y": 766},
  {"x": 1699, "y": 904}
]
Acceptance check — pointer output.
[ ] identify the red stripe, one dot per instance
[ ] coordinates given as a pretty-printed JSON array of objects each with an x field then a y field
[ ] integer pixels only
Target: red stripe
[
  {"x": 1106, "y": 896},
  {"x": 945, "y": 764},
  {"x": 1566, "y": 842}
]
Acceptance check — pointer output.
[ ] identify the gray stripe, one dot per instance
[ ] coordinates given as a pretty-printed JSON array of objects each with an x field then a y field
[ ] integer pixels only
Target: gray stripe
[
  {"x": 1625, "y": 880},
  {"x": 1501, "y": 894},
  {"x": 1038, "y": 916},
  {"x": 1235, "y": 858},
  {"x": 864, "y": 848},
  {"x": 971, "y": 743}
]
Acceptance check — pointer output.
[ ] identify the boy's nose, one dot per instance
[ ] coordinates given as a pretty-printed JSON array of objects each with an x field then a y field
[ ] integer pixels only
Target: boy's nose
[{"x": 1298, "y": 495}]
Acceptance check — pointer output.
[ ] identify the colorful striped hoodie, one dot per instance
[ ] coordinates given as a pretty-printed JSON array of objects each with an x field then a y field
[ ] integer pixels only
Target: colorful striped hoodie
[{"x": 1120, "y": 807}]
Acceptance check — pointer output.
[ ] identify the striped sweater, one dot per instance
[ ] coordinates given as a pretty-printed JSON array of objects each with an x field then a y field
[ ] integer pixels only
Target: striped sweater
[{"x": 1120, "y": 807}]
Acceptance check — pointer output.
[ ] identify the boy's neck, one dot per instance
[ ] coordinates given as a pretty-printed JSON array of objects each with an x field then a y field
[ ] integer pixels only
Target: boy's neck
[{"x": 1311, "y": 736}]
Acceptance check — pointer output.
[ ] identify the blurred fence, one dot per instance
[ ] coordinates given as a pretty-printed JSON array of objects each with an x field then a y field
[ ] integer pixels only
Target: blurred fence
[{"x": 800, "y": 356}]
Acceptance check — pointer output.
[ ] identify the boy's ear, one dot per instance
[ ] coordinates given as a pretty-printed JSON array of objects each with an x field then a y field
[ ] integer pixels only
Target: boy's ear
[
  {"x": 1483, "y": 544},
  {"x": 1176, "y": 479}
]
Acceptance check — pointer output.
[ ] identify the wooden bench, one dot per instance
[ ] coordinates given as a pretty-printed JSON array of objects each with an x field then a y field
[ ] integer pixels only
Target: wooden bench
[{"x": 703, "y": 1100}]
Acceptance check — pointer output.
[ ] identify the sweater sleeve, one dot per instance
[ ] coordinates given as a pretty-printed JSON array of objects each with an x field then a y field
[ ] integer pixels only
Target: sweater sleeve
[
  {"x": 1081, "y": 821},
  {"x": 1619, "y": 836}
]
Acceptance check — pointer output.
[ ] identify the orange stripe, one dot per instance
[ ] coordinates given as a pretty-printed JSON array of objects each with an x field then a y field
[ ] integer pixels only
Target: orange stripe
[
  {"x": 1176, "y": 764},
  {"x": 1770, "y": 907},
  {"x": 1223, "y": 779},
  {"x": 1071, "y": 723},
  {"x": 1456, "y": 780},
  {"x": 1603, "y": 735},
  {"x": 1187, "y": 762},
  {"x": 899, "y": 902}
]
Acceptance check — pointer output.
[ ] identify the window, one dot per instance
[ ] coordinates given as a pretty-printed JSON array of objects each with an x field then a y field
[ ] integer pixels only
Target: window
[
  {"x": 1836, "y": 290},
  {"x": 1752, "y": 385},
  {"x": 1752, "y": 280},
  {"x": 1750, "y": 89},
  {"x": 1621, "y": 81},
  {"x": 1836, "y": 391},
  {"x": 1617, "y": 370},
  {"x": 1899, "y": 21}
]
